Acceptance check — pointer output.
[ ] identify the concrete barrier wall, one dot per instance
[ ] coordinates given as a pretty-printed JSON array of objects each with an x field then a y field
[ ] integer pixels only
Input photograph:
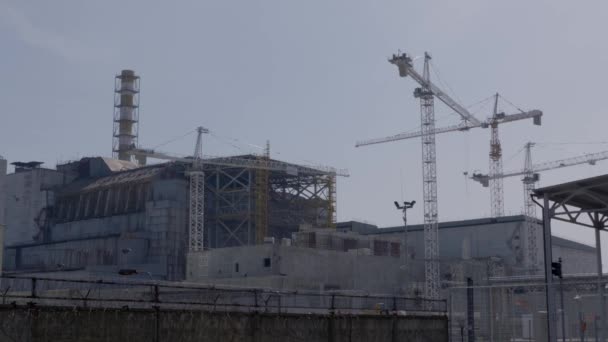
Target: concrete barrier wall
[{"x": 33, "y": 324}]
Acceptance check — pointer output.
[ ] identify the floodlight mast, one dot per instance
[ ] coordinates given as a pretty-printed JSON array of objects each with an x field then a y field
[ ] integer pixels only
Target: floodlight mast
[
  {"x": 404, "y": 249},
  {"x": 404, "y": 208}
]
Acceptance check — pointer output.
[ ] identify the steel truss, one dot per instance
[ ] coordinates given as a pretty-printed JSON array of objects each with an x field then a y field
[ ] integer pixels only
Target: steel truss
[
  {"x": 293, "y": 200},
  {"x": 496, "y": 184}
]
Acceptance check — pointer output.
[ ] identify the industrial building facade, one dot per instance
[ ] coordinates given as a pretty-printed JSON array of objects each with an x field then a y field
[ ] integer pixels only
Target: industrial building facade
[
  {"x": 499, "y": 238},
  {"x": 98, "y": 215}
]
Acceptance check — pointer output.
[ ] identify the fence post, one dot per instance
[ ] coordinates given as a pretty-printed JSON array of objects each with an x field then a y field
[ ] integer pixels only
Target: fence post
[
  {"x": 470, "y": 311},
  {"x": 255, "y": 298},
  {"x": 157, "y": 323},
  {"x": 333, "y": 302},
  {"x": 395, "y": 304},
  {"x": 330, "y": 326},
  {"x": 156, "y": 294},
  {"x": 33, "y": 288},
  {"x": 449, "y": 305}
]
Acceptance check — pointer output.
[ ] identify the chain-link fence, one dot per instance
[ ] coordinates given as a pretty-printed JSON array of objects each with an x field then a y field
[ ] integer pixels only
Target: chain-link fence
[
  {"x": 517, "y": 311},
  {"x": 84, "y": 293}
]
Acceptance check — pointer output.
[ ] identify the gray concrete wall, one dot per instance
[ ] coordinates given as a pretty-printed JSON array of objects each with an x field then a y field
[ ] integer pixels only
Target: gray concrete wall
[
  {"x": 91, "y": 325},
  {"x": 26, "y": 194},
  {"x": 505, "y": 238},
  {"x": 299, "y": 268},
  {"x": 472, "y": 241},
  {"x": 154, "y": 240}
]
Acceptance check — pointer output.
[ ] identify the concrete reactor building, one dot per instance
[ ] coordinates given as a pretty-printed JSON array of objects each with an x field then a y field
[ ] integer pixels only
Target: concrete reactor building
[{"x": 244, "y": 220}]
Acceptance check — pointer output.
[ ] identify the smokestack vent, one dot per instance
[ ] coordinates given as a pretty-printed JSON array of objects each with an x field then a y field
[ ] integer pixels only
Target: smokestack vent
[{"x": 126, "y": 115}]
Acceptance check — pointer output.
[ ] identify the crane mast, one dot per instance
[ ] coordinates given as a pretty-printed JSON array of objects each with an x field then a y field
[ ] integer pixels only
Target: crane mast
[
  {"x": 426, "y": 93},
  {"x": 429, "y": 173},
  {"x": 429, "y": 178},
  {"x": 496, "y": 195},
  {"x": 529, "y": 181},
  {"x": 496, "y": 184},
  {"x": 530, "y": 175},
  {"x": 197, "y": 196}
]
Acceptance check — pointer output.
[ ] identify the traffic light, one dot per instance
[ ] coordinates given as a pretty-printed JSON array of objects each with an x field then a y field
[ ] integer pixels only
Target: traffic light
[{"x": 556, "y": 268}]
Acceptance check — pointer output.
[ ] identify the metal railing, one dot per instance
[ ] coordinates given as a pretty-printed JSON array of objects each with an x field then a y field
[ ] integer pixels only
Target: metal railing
[{"x": 105, "y": 294}]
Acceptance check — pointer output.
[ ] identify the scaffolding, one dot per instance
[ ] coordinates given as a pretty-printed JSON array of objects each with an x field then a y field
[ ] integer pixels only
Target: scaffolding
[
  {"x": 245, "y": 205},
  {"x": 261, "y": 198},
  {"x": 331, "y": 214}
]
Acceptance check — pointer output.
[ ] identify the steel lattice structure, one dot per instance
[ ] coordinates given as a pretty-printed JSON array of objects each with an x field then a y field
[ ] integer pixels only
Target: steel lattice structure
[
  {"x": 426, "y": 93},
  {"x": 496, "y": 184},
  {"x": 197, "y": 196},
  {"x": 429, "y": 186},
  {"x": 530, "y": 175},
  {"x": 233, "y": 194},
  {"x": 197, "y": 210},
  {"x": 244, "y": 182},
  {"x": 529, "y": 180},
  {"x": 261, "y": 196},
  {"x": 126, "y": 114}
]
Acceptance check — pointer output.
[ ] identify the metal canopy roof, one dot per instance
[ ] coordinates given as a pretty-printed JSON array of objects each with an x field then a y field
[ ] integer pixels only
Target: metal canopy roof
[
  {"x": 586, "y": 194},
  {"x": 579, "y": 201},
  {"x": 583, "y": 202}
]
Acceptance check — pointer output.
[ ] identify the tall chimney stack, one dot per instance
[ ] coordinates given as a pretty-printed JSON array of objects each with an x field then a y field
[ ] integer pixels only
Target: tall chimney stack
[{"x": 126, "y": 114}]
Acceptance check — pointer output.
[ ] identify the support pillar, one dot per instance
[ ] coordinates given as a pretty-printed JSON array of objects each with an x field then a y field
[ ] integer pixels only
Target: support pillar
[
  {"x": 549, "y": 289},
  {"x": 600, "y": 286}
]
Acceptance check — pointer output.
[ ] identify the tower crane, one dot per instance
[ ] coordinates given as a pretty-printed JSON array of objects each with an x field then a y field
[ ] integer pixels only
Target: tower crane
[
  {"x": 531, "y": 176},
  {"x": 426, "y": 92},
  {"x": 497, "y": 118},
  {"x": 196, "y": 177}
]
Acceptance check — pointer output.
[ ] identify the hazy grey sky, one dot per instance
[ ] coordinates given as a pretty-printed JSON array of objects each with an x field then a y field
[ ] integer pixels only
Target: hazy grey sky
[{"x": 312, "y": 77}]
